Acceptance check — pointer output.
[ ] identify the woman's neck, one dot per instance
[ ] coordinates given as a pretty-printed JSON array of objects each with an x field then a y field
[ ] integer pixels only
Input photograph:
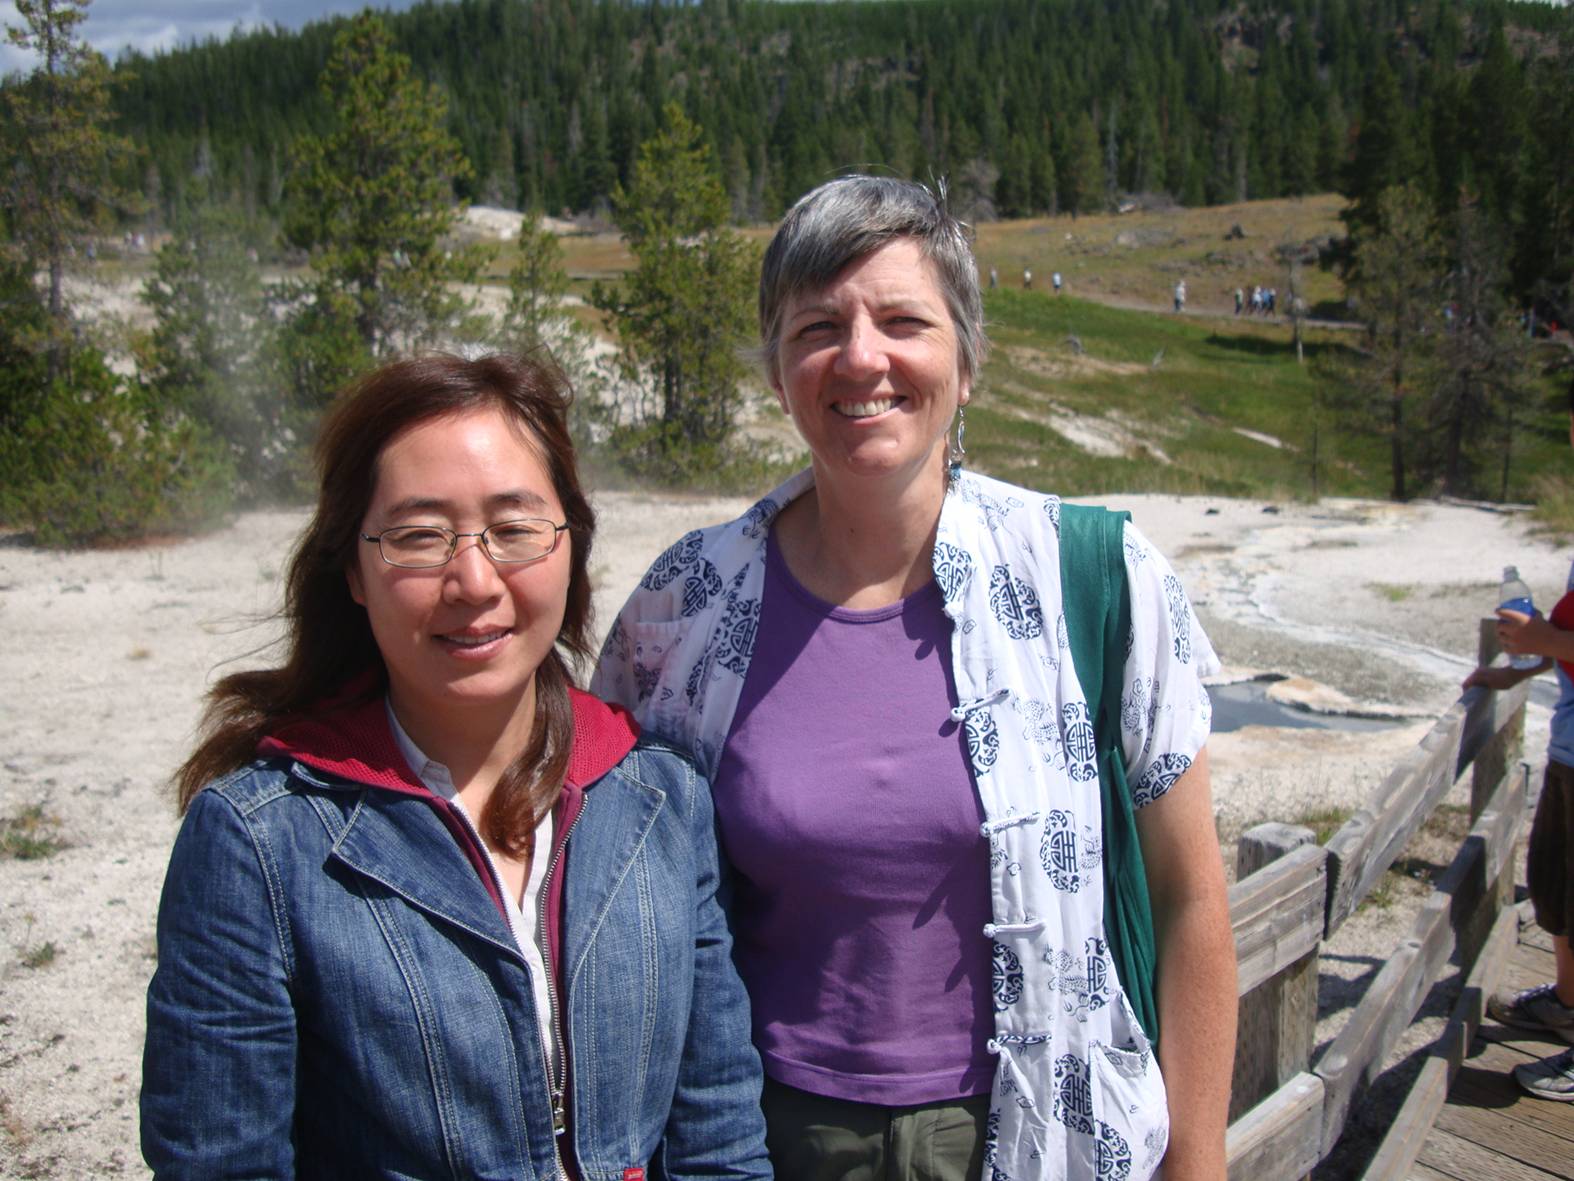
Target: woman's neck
[
  {"x": 476, "y": 743},
  {"x": 864, "y": 546}
]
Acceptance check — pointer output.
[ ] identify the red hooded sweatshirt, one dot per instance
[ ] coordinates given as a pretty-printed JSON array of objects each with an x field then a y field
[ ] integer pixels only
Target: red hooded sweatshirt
[{"x": 354, "y": 741}]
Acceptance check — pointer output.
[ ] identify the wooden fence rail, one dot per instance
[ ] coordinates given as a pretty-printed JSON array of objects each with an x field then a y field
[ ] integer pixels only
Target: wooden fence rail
[{"x": 1291, "y": 895}]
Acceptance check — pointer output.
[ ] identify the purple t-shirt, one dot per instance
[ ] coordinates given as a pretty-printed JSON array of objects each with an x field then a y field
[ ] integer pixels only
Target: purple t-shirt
[{"x": 847, "y": 808}]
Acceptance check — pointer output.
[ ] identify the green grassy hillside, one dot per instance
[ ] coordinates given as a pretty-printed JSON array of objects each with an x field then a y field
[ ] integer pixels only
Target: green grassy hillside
[{"x": 1182, "y": 404}]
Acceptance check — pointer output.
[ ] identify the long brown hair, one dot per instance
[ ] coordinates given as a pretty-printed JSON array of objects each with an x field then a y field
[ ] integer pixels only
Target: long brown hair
[{"x": 329, "y": 643}]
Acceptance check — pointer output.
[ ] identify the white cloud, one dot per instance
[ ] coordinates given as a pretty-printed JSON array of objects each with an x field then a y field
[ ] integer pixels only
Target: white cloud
[{"x": 151, "y": 26}]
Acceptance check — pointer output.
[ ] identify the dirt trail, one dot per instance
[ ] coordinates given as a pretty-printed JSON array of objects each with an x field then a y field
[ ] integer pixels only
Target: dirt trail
[{"x": 1195, "y": 311}]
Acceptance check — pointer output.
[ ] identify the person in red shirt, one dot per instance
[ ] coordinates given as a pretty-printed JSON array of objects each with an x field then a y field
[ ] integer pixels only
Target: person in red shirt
[{"x": 1546, "y": 1008}]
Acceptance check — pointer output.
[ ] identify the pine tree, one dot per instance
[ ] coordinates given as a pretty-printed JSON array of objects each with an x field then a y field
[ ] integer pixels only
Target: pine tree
[
  {"x": 24, "y": 367},
  {"x": 58, "y": 153},
  {"x": 1143, "y": 158},
  {"x": 81, "y": 457},
  {"x": 537, "y": 284},
  {"x": 534, "y": 317},
  {"x": 372, "y": 199},
  {"x": 1384, "y": 150},
  {"x": 1543, "y": 262},
  {"x": 1081, "y": 168},
  {"x": 1014, "y": 189},
  {"x": 1484, "y": 377},
  {"x": 1044, "y": 195},
  {"x": 1300, "y": 154},
  {"x": 682, "y": 314},
  {"x": 205, "y": 358},
  {"x": 1398, "y": 290},
  {"x": 1495, "y": 131}
]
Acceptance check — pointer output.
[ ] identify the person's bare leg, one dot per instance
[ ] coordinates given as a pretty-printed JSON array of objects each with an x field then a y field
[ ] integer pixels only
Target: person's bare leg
[{"x": 1564, "y": 956}]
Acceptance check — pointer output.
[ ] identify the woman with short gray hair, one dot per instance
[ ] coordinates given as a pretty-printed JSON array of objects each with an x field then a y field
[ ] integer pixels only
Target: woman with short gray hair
[{"x": 873, "y": 666}]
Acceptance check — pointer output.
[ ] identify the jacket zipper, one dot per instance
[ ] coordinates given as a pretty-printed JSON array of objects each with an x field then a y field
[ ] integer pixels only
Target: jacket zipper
[
  {"x": 557, "y": 1078},
  {"x": 560, "y": 1074}
]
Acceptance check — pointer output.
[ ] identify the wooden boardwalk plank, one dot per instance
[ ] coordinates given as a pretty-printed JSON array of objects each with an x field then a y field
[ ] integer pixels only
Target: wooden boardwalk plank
[
  {"x": 1458, "y": 1157},
  {"x": 1512, "y": 1138},
  {"x": 1497, "y": 1094},
  {"x": 1530, "y": 966},
  {"x": 1533, "y": 936},
  {"x": 1521, "y": 975},
  {"x": 1491, "y": 1130},
  {"x": 1521, "y": 1041},
  {"x": 1489, "y": 1065},
  {"x": 1429, "y": 1093}
]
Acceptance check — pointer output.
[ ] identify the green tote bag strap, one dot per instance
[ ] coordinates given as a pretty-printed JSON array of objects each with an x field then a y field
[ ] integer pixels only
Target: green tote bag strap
[{"x": 1098, "y": 622}]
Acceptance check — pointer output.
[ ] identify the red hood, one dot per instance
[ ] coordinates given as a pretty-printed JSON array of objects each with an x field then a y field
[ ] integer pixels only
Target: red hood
[{"x": 353, "y": 741}]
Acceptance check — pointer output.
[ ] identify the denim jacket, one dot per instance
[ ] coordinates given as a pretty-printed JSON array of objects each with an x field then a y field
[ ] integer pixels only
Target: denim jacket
[{"x": 338, "y": 995}]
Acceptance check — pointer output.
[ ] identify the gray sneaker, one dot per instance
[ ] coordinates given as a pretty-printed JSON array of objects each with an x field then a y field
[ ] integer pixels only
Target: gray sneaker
[
  {"x": 1535, "y": 1008},
  {"x": 1551, "y": 1078}
]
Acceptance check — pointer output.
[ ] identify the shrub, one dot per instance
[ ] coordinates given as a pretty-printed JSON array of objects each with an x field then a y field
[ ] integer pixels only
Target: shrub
[
  {"x": 24, "y": 326},
  {"x": 41, "y": 956},
  {"x": 317, "y": 350},
  {"x": 208, "y": 355},
  {"x": 31, "y": 835},
  {"x": 1554, "y": 504},
  {"x": 93, "y": 464},
  {"x": 663, "y": 454}
]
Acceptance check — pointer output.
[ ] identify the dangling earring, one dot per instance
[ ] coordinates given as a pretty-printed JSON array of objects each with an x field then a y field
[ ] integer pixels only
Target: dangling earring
[{"x": 958, "y": 452}]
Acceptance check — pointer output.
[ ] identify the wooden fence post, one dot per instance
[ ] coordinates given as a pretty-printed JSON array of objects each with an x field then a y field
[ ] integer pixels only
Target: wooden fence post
[
  {"x": 1498, "y": 759},
  {"x": 1277, "y": 1021},
  {"x": 1504, "y": 750}
]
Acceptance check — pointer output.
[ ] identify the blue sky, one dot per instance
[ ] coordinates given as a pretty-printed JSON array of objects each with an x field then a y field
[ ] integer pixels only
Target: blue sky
[{"x": 151, "y": 25}]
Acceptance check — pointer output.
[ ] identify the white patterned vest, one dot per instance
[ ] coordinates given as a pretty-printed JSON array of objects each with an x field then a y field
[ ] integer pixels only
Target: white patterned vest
[{"x": 1077, "y": 1093}]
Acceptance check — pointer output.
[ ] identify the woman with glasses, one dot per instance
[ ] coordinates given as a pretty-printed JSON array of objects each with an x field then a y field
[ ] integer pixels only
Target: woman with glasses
[
  {"x": 433, "y": 912},
  {"x": 873, "y": 667}
]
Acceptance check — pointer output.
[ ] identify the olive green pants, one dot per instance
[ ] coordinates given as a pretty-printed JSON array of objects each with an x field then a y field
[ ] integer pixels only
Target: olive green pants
[{"x": 814, "y": 1138}]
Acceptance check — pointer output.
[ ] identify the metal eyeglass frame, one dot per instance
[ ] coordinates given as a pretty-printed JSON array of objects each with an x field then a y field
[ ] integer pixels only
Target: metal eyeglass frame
[{"x": 453, "y": 543}]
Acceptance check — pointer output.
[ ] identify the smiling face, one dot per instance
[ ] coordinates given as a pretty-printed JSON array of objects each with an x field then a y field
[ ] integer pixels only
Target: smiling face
[
  {"x": 868, "y": 367},
  {"x": 462, "y": 642}
]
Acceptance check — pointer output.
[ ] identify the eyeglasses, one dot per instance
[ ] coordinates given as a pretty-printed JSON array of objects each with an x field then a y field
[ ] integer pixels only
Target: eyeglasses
[{"x": 422, "y": 547}]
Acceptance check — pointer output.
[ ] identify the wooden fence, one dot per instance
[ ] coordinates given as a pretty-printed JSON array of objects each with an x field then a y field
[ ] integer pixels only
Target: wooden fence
[{"x": 1291, "y": 895}]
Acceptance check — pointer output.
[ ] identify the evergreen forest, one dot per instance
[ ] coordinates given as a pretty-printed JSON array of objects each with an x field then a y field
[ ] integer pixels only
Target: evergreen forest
[
  {"x": 303, "y": 191},
  {"x": 1028, "y": 106}
]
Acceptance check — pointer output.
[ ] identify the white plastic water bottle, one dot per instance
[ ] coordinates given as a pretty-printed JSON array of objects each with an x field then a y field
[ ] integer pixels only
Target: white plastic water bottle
[{"x": 1515, "y": 595}]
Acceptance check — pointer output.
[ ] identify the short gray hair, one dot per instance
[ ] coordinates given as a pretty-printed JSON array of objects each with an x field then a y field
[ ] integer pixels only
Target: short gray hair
[{"x": 851, "y": 217}]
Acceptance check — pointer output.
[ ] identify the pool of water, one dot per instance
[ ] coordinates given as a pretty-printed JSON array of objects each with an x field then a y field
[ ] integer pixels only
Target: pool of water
[{"x": 1246, "y": 703}]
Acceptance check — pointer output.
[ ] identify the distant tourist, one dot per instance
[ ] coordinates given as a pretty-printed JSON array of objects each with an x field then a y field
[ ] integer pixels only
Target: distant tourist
[
  {"x": 1549, "y": 865},
  {"x": 1238, "y": 301},
  {"x": 1027, "y": 279},
  {"x": 1180, "y": 296},
  {"x": 1055, "y": 280},
  {"x": 994, "y": 278}
]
